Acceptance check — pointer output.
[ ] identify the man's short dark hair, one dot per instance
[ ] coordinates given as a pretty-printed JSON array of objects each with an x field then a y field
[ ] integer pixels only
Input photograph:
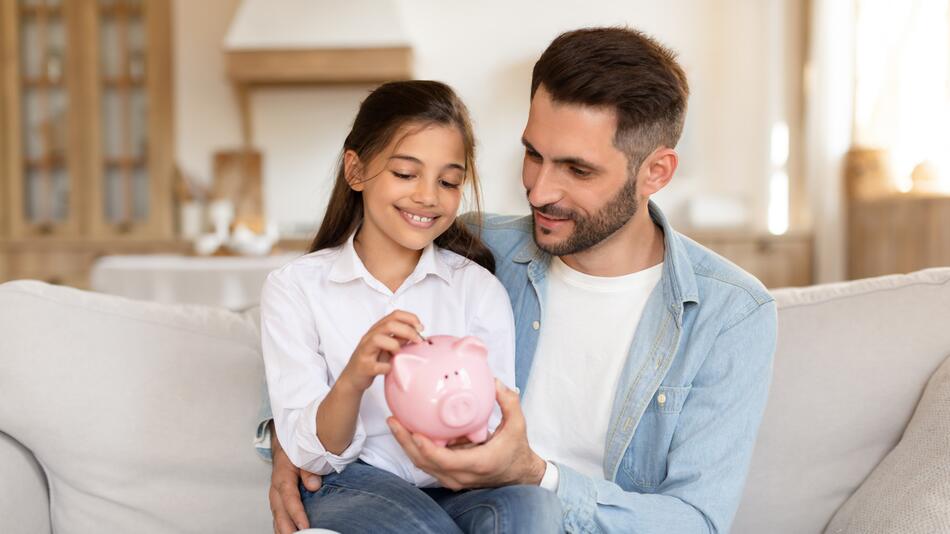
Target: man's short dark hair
[{"x": 624, "y": 70}]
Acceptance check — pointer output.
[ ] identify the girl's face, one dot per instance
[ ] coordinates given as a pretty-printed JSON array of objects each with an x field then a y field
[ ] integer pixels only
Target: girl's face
[{"x": 414, "y": 186}]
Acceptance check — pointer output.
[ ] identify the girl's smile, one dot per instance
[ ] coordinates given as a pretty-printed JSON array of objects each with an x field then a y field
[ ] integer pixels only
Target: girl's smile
[{"x": 417, "y": 219}]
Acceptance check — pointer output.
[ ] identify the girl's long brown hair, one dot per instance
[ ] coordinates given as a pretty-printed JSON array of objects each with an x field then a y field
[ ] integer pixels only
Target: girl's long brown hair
[{"x": 388, "y": 108}]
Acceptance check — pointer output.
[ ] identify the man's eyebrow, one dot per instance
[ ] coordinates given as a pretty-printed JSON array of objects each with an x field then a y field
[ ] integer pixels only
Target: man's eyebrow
[
  {"x": 570, "y": 160},
  {"x": 413, "y": 159}
]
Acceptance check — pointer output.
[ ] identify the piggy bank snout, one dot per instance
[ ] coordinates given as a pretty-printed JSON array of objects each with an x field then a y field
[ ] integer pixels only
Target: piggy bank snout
[{"x": 458, "y": 409}]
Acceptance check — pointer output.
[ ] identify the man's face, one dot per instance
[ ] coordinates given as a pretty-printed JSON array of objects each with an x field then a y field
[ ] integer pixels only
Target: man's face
[{"x": 577, "y": 181}]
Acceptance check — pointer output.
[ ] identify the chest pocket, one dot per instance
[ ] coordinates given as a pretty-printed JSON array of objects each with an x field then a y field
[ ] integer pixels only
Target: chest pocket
[{"x": 645, "y": 461}]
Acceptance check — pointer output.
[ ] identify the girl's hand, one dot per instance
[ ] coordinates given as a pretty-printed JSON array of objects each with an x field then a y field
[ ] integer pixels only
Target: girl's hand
[{"x": 371, "y": 357}]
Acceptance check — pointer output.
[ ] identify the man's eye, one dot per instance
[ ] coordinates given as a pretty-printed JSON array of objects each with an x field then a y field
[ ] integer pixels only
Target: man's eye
[
  {"x": 401, "y": 175},
  {"x": 580, "y": 172},
  {"x": 533, "y": 155}
]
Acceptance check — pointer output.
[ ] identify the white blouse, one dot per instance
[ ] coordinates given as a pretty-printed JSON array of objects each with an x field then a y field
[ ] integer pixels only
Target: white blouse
[{"x": 314, "y": 311}]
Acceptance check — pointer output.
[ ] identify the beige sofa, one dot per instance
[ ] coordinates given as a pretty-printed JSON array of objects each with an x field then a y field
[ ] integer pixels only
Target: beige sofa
[{"x": 124, "y": 416}]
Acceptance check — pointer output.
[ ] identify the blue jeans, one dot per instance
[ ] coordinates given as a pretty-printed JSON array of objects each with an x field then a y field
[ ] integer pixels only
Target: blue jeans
[{"x": 364, "y": 498}]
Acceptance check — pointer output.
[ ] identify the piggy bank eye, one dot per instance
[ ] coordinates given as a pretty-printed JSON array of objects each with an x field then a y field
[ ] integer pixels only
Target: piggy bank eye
[
  {"x": 446, "y": 377},
  {"x": 456, "y": 373}
]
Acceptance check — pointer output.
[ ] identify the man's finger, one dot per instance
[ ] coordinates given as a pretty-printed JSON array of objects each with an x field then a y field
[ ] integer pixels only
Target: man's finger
[
  {"x": 406, "y": 442},
  {"x": 311, "y": 481},
  {"x": 283, "y": 524},
  {"x": 293, "y": 505},
  {"x": 509, "y": 404},
  {"x": 441, "y": 457}
]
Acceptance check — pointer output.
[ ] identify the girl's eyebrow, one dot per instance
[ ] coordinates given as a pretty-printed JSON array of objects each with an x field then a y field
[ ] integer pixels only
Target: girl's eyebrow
[{"x": 407, "y": 157}]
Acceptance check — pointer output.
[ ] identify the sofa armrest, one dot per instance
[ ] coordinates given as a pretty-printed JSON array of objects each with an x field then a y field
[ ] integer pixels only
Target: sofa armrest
[{"x": 24, "y": 499}]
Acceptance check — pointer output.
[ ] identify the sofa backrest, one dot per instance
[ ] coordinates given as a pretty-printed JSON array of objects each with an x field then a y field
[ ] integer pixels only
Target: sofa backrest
[
  {"x": 852, "y": 361},
  {"x": 140, "y": 414}
]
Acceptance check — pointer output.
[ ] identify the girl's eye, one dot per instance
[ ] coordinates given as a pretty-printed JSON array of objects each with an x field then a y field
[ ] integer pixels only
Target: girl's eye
[
  {"x": 402, "y": 176},
  {"x": 450, "y": 185}
]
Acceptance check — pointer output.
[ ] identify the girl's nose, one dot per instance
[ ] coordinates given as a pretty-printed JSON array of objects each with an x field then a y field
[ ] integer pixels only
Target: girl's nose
[{"x": 425, "y": 193}]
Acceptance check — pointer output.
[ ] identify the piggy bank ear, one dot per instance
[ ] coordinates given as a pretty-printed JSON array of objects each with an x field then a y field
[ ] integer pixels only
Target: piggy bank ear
[
  {"x": 404, "y": 366},
  {"x": 470, "y": 345}
]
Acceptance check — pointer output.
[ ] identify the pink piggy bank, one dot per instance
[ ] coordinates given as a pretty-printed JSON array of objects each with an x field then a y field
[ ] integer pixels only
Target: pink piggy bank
[{"x": 442, "y": 389}]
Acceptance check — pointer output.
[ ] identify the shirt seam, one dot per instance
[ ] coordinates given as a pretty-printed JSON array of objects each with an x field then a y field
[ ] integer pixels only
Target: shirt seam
[{"x": 748, "y": 291}]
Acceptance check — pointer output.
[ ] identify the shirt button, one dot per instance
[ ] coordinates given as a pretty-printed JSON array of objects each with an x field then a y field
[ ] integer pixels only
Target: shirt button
[
  {"x": 536, "y": 325},
  {"x": 661, "y": 399}
]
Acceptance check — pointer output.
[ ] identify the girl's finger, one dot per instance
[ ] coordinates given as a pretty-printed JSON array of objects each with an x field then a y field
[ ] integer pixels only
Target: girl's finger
[
  {"x": 382, "y": 368},
  {"x": 385, "y": 343},
  {"x": 405, "y": 317},
  {"x": 401, "y": 331}
]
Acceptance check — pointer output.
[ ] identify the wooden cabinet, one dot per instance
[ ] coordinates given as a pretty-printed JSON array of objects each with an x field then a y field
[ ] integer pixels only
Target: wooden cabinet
[
  {"x": 897, "y": 234},
  {"x": 59, "y": 266},
  {"x": 85, "y": 130},
  {"x": 776, "y": 260},
  {"x": 87, "y": 106},
  {"x": 69, "y": 262}
]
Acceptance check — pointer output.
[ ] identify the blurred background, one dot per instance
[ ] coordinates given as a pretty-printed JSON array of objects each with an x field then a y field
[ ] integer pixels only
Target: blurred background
[{"x": 178, "y": 150}]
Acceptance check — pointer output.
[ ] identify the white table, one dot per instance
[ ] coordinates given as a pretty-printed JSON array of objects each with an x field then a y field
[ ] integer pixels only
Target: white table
[{"x": 229, "y": 282}]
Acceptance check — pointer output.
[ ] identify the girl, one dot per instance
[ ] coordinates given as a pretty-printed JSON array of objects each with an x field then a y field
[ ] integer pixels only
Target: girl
[{"x": 390, "y": 261}]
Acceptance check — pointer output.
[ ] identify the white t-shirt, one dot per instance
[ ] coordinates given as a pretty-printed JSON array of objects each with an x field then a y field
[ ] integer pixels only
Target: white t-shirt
[
  {"x": 314, "y": 311},
  {"x": 587, "y": 327}
]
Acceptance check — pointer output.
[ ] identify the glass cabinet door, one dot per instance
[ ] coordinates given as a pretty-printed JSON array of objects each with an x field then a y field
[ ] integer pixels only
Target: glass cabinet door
[
  {"x": 132, "y": 87},
  {"x": 47, "y": 167},
  {"x": 87, "y": 128},
  {"x": 123, "y": 112}
]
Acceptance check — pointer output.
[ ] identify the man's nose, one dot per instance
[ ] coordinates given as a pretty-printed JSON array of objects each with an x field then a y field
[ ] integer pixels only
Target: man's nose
[{"x": 545, "y": 189}]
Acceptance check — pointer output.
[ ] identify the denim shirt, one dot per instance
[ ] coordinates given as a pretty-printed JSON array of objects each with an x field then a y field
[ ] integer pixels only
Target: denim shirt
[
  {"x": 688, "y": 402},
  {"x": 690, "y": 397}
]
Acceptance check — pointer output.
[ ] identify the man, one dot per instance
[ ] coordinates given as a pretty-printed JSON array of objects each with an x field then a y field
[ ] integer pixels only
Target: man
[{"x": 643, "y": 358}]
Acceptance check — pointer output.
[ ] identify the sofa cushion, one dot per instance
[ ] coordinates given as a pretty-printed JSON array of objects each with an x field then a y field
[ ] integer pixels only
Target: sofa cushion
[
  {"x": 141, "y": 414},
  {"x": 909, "y": 492},
  {"x": 851, "y": 363}
]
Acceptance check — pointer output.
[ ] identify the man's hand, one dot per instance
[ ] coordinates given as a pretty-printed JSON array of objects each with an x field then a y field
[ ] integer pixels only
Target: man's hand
[
  {"x": 504, "y": 460},
  {"x": 285, "y": 503}
]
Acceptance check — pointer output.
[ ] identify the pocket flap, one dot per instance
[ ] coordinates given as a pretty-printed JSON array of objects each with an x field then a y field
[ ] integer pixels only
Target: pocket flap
[{"x": 670, "y": 399}]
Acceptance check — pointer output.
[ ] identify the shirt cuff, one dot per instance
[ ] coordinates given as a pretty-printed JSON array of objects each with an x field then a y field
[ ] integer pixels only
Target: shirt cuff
[
  {"x": 551, "y": 477},
  {"x": 578, "y": 494},
  {"x": 262, "y": 441},
  {"x": 315, "y": 457}
]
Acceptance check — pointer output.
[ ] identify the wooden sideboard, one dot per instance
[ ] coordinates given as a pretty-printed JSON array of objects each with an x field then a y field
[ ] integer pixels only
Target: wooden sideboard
[
  {"x": 776, "y": 260},
  {"x": 69, "y": 261},
  {"x": 897, "y": 233}
]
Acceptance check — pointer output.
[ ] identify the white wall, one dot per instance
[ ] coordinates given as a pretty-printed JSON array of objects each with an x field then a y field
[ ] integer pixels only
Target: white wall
[
  {"x": 206, "y": 115},
  {"x": 485, "y": 50}
]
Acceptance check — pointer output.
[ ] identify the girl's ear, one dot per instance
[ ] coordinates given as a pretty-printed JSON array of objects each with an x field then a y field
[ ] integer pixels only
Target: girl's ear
[{"x": 353, "y": 170}]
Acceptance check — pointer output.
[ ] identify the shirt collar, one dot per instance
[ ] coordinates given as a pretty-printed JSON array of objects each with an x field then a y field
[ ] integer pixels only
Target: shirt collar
[
  {"x": 678, "y": 280},
  {"x": 348, "y": 266}
]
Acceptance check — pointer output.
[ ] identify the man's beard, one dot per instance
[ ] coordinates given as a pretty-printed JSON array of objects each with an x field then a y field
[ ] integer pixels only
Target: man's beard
[{"x": 589, "y": 231}]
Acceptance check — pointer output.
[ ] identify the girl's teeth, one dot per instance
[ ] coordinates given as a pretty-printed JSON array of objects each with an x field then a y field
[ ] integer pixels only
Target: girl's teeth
[{"x": 418, "y": 218}]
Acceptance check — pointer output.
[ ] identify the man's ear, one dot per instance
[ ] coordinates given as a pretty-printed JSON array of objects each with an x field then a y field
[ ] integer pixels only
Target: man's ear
[
  {"x": 656, "y": 171},
  {"x": 353, "y": 170}
]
